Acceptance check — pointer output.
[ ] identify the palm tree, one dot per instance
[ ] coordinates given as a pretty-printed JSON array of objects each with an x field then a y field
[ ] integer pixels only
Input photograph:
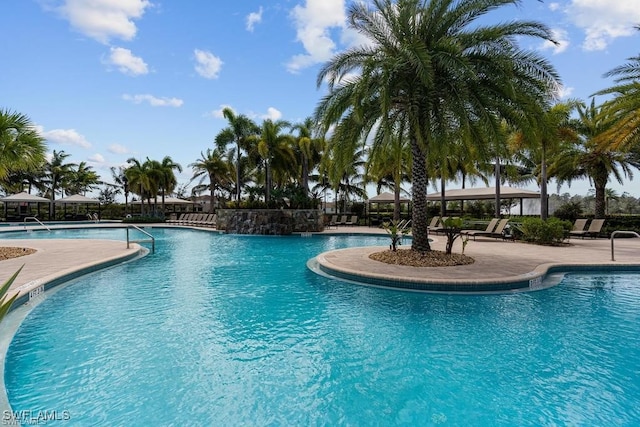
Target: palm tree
[
  {"x": 624, "y": 108},
  {"x": 388, "y": 161},
  {"x": 212, "y": 165},
  {"x": 553, "y": 128},
  {"x": 345, "y": 171},
  {"x": 22, "y": 149},
  {"x": 239, "y": 130},
  {"x": 590, "y": 157},
  {"x": 120, "y": 179},
  {"x": 81, "y": 179},
  {"x": 276, "y": 149},
  {"x": 308, "y": 149},
  {"x": 143, "y": 180},
  {"x": 447, "y": 73},
  {"x": 166, "y": 175}
]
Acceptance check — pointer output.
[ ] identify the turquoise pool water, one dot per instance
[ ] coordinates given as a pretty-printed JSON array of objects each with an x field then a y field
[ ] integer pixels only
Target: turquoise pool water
[{"x": 234, "y": 330}]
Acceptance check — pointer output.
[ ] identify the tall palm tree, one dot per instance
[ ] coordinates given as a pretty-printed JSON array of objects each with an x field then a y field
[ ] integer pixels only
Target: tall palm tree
[
  {"x": 143, "y": 180},
  {"x": 276, "y": 149},
  {"x": 166, "y": 175},
  {"x": 389, "y": 158},
  {"x": 212, "y": 165},
  {"x": 446, "y": 71},
  {"x": 120, "y": 180},
  {"x": 592, "y": 157},
  {"x": 81, "y": 179},
  {"x": 308, "y": 149},
  {"x": 554, "y": 127},
  {"x": 22, "y": 149},
  {"x": 238, "y": 132},
  {"x": 57, "y": 172}
]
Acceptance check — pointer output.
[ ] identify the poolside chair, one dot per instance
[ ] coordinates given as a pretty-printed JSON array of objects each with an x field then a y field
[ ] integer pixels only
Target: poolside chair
[
  {"x": 594, "y": 229},
  {"x": 486, "y": 232},
  {"x": 184, "y": 218},
  {"x": 352, "y": 221},
  {"x": 343, "y": 220},
  {"x": 438, "y": 228},
  {"x": 434, "y": 223},
  {"x": 333, "y": 222},
  {"x": 174, "y": 220},
  {"x": 498, "y": 233}
]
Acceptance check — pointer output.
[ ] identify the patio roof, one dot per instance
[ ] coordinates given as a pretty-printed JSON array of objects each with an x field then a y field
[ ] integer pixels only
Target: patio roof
[
  {"x": 25, "y": 197},
  {"x": 485, "y": 193},
  {"x": 77, "y": 198},
  {"x": 386, "y": 197}
]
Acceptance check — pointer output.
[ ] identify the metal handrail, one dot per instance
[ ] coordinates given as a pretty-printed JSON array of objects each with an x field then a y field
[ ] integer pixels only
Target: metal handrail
[
  {"x": 24, "y": 221},
  {"x": 620, "y": 232},
  {"x": 152, "y": 239}
]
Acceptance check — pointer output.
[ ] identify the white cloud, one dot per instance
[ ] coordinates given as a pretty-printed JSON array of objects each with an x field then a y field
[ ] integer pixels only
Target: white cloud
[
  {"x": 104, "y": 19},
  {"x": 554, "y": 6},
  {"x": 254, "y": 18},
  {"x": 126, "y": 62},
  {"x": 208, "y": 65},
  {"x": 561, "y": 37},
  {"x": 313, "y": 23},
  {"x": 604, "y": 20},
  {"x": 97, "y": 159},
  {"x": 153, "y": 101},
  {"x": 272, "y": 114},
  {"x": 64, "y": 137},
  {"x": 218, "y": 113},
  {"x": 118, "y": 149}
]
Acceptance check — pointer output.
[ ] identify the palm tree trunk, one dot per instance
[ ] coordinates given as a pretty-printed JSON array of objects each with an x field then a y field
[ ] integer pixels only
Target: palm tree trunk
[
  {"x": 498, "y": 201},
  {"x": 238, "y": 173},
  {"x": 420, "y": 241},
  {"x": 212, "y": 197},
  {"x": 443, "y": 202},
  {"x": 305, "y": 175},
  {"x": 600, "y": 199},
  {"x": 544, "y": 202}
]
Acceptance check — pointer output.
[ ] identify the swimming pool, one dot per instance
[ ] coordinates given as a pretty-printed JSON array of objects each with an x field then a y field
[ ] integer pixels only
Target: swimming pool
[{"x": 216, "y": 329}]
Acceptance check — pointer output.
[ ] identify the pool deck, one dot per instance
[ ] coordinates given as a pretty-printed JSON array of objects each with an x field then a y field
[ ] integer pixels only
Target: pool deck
[{"x": 497, "y": 262}]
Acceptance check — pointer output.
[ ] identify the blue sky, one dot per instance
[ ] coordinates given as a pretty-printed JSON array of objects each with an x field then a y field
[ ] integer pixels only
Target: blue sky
[{"x": 106, "y": 80}]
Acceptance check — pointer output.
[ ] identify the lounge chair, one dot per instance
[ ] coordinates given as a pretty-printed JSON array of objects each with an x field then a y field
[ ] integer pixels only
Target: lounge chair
[
  {"x": 333, "y": 222},
  {"x": 352, "y": 221},
  {"x": 594, "y": 229},
  {"x": 186, "y": 218},
  {"x": 580, "y": 225},
  {"x": 177, "y": 220},
  {"x": 343, "y": 220},
  {"x": 486, "y": 232},
  {"x": 434, "y": 223},
  {"x": 438, "y": 228},
  {"x": 498, "y": 233}
]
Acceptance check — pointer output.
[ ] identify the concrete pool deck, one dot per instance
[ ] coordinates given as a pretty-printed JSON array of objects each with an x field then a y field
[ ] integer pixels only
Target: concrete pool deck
[{"x": 497, "y": 262}]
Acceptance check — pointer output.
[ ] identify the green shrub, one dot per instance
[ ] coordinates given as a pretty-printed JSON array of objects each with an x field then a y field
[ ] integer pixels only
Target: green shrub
[
  {"x": 550, "y": 232},
  {"x": 569, "y": 211}
]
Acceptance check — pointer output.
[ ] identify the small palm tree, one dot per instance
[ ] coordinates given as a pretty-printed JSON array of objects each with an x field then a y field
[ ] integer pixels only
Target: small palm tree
[{"x": 212, "y": 165}]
